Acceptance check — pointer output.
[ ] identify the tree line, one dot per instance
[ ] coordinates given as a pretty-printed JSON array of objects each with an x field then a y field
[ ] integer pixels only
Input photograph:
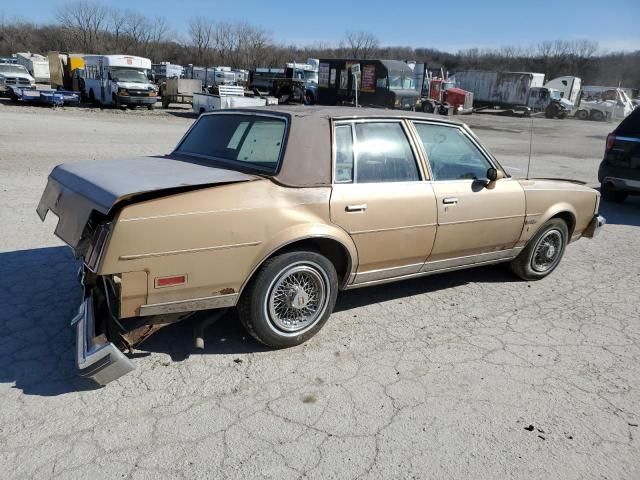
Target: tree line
[{"x": 88, "y": 26}]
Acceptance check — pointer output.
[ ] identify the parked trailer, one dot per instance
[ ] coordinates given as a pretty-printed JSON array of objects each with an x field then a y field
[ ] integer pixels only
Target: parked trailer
[
  {"x": 179, "y": 90},
  {"x": 37, "y": 65},
  {"x": 164, "y": 70},
  {"x": 498, "y": 89},
  {"x": 383, "y": 83},
  {"x": 50, "y": 98},
  {"x": 66, "y": 71},
  {"x": 228, "y": 96}
]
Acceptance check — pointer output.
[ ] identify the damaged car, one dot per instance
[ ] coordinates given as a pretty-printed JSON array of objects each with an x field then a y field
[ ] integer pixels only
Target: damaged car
[{"x": 276, "y": 210}]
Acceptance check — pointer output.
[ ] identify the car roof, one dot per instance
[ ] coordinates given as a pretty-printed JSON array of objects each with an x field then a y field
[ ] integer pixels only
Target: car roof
[
  {"x": 341, "y": 113},
  {"x": 306, "y": 161}
]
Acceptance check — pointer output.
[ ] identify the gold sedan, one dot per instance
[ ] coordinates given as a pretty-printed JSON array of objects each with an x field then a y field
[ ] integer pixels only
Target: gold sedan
[{"x": 275, "y": 210}]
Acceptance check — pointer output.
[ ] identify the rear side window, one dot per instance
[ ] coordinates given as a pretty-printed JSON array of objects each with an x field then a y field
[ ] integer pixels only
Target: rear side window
[
  {"x": 452, "y": 156},
  {"x": 253, "y": 140},
  {"x": 344, "y": 154},
  {"x": 383, "y": 154},
  {"x": 631, "y": 124}
]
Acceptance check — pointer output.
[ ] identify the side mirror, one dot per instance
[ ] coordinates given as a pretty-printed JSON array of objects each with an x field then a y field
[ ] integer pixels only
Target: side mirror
[{"x": 493, "y": 175}]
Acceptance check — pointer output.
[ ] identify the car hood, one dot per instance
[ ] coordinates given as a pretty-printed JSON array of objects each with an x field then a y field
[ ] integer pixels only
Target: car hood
[
  {"x": 17, "y": 75},
  {"x": 75, "y": 190}
]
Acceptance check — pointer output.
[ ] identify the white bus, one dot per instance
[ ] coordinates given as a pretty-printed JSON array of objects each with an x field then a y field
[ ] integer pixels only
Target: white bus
[{"x": 119, "y": 80}]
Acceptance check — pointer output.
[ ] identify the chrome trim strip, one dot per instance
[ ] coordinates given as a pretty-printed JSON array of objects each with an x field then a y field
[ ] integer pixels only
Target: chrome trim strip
[
  {"x": 425, "y": 274},
  {"x": 190, "y": 250},
  {"x": 483, "y": 219},
  {"x": 381, "y": 273},
  {"x": 391, "y": 229},
  {"x": 203, "y": 303},
  {"x": 468, "y": 260},
  {"x": 628, "y": 139}
]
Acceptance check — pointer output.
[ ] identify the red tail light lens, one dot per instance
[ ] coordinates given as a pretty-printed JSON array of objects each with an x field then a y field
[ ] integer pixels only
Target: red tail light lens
[{"x": 611, "y": 139}]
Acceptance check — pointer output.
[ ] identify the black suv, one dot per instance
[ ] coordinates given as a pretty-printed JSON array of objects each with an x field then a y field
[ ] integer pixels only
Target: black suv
[{"x": 619, "y": 172}]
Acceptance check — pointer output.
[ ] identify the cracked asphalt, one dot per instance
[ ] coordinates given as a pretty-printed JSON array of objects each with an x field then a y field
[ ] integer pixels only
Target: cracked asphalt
[{"x": 472, "y": 374}]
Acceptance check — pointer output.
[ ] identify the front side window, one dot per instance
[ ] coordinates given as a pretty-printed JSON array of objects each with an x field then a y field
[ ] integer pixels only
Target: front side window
[
  {"x": 252, "y": 140},
  {"x": 452, "y": 155},
  {"x": 383, "y": 154}
]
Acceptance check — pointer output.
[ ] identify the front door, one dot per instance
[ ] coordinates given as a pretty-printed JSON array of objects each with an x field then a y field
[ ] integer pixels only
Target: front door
[
  {"x": 477, "y": 221},
  {"x": 381, "y": 199}
]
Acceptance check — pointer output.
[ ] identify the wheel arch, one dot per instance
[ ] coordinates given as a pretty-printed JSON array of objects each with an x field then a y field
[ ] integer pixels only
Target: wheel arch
[
  {"x": 341, "y": 254},
  {"x": 563, "y": 211}
]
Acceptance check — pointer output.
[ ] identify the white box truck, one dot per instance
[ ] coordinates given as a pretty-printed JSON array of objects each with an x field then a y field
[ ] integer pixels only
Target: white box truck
[{"x": 119, "y": 80}]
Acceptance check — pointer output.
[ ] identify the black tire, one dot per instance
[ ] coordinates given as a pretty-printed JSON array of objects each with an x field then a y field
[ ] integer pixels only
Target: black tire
[
  {"x": 551, "y": 111},
  {"x": 92, "y": 99},
  {"x": 610, "y": 194},
  {"x": 150, "y": 106},
  {"x": 254, "y": 305},
  {"x": 308, "y": 98},
  {"x": 597, "y": 115},
  {"x": 527, "y": 264},
  {"x": 582, "y": 115},
  {"x": 427, "y": 107},
  {"x": 562, "y": 115}
]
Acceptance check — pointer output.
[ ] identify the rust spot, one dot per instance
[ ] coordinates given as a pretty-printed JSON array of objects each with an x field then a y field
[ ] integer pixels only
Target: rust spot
[{"x": 227, "y": 291}]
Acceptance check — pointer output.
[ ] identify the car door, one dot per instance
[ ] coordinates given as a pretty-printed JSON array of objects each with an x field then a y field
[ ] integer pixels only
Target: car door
[
  {"x": 380, "y": 197},
  {"x": 477, "y": 220}
]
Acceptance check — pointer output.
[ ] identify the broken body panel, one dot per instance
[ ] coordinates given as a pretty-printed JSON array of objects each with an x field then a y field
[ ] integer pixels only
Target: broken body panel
[{"x": 164, "y": 236}]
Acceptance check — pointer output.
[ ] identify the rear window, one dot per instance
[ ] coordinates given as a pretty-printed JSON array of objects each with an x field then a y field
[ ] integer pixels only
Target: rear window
[
  {"x": 253, "y": 140},
  {"x": 631, "y": 124}
]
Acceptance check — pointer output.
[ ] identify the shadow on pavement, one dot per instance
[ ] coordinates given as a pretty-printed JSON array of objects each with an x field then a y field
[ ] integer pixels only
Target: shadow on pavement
[
  {"x": 626, "y": 213},
  {"x": 39, "y": 295}
]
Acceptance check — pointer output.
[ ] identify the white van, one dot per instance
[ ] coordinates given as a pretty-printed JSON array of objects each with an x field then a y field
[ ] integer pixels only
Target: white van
[{"x": 119, "y": 80}]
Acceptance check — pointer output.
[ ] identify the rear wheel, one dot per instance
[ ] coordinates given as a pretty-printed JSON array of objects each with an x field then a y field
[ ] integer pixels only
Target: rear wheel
[
  {"x": 610, "y": 194},
  {"x": 290, "y": 298},
  {"x": 543, "y": 252},
  {"x": 597, "y": 115},
  {"x": 582, "y": 115}
]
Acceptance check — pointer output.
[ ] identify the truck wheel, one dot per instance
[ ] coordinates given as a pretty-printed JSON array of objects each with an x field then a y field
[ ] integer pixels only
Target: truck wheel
[
  {"x": 308, "y": 98},
  {"x": 150, "y": 106},
  {"x": 116, "y": 101},
  {"x": 427, "y": 107},
  {"x": 289, "y": 299},
  {"x": 582, "y": 115},
  {"x": 543, "y": 252},
  {"x": 92, "y": 99},
  {"x": 597, "y": 115},
  {"x": 165, "y": 102},
  {"x": 551, "y": 111}
]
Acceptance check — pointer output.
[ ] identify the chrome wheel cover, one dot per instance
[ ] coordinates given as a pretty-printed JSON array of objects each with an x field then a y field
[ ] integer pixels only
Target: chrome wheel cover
[
  {"x": 547, "y": 251},
  {"x": 297, "y": 297}
]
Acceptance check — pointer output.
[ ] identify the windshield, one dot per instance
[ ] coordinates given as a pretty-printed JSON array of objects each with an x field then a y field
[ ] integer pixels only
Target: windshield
[
  {"x": 555, "y": 94},
  {"x": 252, "y": 140},
  {"x": 12, "y": 69},
  {"x": 129, "y": 75},
  {"x": 311, "y": 76},
  {"x": 399, "y": 81}
]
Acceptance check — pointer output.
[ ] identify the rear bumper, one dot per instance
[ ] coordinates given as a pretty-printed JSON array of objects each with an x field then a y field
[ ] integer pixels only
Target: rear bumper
[
  {"x": 96, "y": 357},
  {"x": 129, "y": 100},
  {"x": 623, "y": 184},
  {"x": 595, "y": 226}
]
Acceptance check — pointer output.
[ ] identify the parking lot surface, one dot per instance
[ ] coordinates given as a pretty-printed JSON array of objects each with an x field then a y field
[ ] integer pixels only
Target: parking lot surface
[{"x": 472, "y": 374}]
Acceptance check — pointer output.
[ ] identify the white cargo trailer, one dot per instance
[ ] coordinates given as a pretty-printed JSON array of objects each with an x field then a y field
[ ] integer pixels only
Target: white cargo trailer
[
  {"x": 498, "y": 89},
  {"x": 37, "y": 65}
]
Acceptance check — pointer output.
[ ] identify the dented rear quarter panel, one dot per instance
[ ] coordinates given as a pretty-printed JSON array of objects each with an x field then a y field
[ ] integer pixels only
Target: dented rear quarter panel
[{"x": 217, "y": 236}]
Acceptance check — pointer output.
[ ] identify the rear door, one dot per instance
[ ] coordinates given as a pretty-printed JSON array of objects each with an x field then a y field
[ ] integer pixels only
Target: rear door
[
  {"x": 476, "y": 221},
  {"x": 381, "y": 198}
]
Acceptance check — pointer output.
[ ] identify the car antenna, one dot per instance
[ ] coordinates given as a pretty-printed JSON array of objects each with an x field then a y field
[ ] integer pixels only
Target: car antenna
[{"x": 530, "y": 147}]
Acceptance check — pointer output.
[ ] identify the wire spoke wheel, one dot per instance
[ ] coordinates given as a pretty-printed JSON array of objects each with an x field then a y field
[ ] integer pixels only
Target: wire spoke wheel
[
  {"x": 548, "y": 251},
  {"x": 297, "y": 297}
]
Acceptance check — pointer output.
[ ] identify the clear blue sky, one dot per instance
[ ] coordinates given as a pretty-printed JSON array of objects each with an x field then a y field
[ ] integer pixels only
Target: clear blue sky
[{"x": 445, "y": 24}]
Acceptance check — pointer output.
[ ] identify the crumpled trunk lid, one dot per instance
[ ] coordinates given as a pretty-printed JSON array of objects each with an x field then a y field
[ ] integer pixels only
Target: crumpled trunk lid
[{"x": 75, "y": 190}]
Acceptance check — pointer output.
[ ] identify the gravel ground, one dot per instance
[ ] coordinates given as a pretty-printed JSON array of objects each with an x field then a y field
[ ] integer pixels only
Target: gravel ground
[{"x": 464, "y": 375}]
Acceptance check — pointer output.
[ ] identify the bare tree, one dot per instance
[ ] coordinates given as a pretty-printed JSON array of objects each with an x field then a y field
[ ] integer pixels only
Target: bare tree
[
  {"x": 201, "y": 34},
  {"x": 361, "y": 44},
  {"x": 85, "y": 21}
]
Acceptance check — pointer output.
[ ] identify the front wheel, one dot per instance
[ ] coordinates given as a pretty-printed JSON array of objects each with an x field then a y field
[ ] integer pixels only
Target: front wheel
[
  {"x": 543, "y": 252},
  {"x": 290, "y": 298}
]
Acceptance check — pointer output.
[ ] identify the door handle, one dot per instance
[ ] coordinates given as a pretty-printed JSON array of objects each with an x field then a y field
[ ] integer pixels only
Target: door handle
[
  {"x": 450, "y": 200},
  {"x": 356, "y": 208}
]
